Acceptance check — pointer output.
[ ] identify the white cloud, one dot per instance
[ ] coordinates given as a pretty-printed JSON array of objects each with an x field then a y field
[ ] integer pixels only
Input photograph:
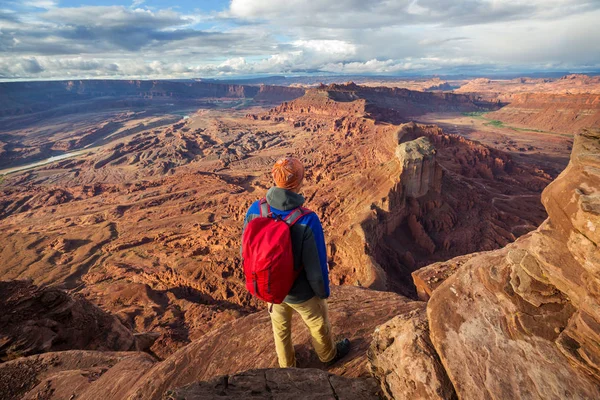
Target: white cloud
[
  {"x": 338, "y": 48},
  {"x": 295, "y": 36},
  {"x": 115, "y": 16},
  {"x": 41, "y": 3},
  {"x": 351, "y": 14},
  {"x": 137, "y": 3}
]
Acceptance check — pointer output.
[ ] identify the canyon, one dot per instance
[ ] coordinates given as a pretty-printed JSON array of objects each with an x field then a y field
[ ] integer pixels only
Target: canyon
[
  {"x": 450, "y": 251},
  {"x": 565, "y": 105},
  {"x": 83, "y": 114}
]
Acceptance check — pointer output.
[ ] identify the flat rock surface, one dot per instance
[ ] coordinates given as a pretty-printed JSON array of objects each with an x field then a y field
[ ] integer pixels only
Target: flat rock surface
[
  {"x": 428, "y": 278},
  {"x": 279, "y": 384}
]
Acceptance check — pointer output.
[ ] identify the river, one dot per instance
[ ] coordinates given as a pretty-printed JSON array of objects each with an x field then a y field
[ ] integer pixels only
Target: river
[{"x": 42, "y": 162}]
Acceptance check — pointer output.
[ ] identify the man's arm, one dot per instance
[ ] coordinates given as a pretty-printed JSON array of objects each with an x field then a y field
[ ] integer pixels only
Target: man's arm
[
  {"x": 253, "y": 212},
  {"x": 314, "y": 256}
]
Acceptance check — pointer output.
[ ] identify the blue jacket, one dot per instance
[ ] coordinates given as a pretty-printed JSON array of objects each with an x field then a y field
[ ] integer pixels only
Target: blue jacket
[{"x": 308, "y": 245}]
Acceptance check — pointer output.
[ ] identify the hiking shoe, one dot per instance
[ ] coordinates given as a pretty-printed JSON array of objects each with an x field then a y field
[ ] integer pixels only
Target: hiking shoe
[{"x": 342, "y": 349}]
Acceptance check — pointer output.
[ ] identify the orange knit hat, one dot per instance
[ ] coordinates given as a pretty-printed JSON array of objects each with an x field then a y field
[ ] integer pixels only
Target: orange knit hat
[{"x": 288, "y": 173}]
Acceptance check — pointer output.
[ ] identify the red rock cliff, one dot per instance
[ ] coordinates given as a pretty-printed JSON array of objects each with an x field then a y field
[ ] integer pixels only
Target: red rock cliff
[{"x": 522, "y": 322}]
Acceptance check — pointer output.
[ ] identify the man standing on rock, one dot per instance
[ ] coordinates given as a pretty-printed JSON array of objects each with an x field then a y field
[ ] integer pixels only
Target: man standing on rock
[{"x": 308, "y": 276}]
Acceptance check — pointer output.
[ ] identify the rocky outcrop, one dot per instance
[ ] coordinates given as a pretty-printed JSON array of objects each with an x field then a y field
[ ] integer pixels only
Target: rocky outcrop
[
  {"x": 93, "y": 375},
  {"x": 247, "y": 343},
  {"x": 267, "y": 384},
  {"x": 522, "y": 322},
  {"x": 420, "y": 172},
  {"x": 409, "y": 103},
  {"x": 427, "y": 213},
  {"x": 504, "y": 90},
  {"x": 38, "y": 320},
  {"x": 428, "y": 278},
  {"x": 560, "y": 113},
  {"x": 405, "y": 362},
  {"x": 214, "y": 364},
  {"x": 395, "y": 105}
]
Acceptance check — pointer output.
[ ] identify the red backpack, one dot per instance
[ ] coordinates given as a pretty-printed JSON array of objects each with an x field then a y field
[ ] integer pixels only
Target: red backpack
[{"x": 267, "y": 253}]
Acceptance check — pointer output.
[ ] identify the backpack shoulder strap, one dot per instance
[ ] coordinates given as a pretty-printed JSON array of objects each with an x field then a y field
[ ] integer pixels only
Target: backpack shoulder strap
[
  {"x": 265, "y": 209},
  {"x": 295, "y": 215}
]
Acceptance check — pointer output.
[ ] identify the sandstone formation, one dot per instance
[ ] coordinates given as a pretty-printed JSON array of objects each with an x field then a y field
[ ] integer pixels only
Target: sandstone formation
[
  {"x": 562, "y": 113},
  {"x": 107, "y": 375},
  {"x": 522, "y": 322},
  {"x": 504, "y": 90},
  {"x": 38, "y": 320},
  {"x": 356, "y": 113},
  {"x": 402, "y": 357},
  {"x": 267, "y": 384},
  {"x": 420, "y": 171},
  {"x": 393, "y": 105},
  {"x": 425, "y": 85}
]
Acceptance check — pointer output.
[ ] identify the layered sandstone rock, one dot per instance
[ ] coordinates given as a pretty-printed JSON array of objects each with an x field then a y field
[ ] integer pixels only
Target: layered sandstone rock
[
  {"x": 428, "y": 278},
  {"x": 522, "y": 322},
  {"x": 395, "y": 105},
  {"x": 277, "y": 94},
  {"x": 560, "y": 113},
  {"x": 420, "y": 172},
  {"x": 504, "y": 90}
]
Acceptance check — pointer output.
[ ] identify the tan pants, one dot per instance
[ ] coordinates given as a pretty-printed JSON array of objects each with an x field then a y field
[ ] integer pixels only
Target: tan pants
[{"x": 314, "y": 314}]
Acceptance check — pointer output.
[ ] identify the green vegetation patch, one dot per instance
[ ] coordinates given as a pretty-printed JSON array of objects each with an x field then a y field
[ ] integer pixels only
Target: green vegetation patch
[
  {"x": 475, "y": 114},
  {"x": 496, "y": 123},
  {"x": 499, "y": 124}
]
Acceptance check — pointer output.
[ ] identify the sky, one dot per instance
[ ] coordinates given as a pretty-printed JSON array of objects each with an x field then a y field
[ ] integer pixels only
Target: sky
[{"x": 154, "y": 39}]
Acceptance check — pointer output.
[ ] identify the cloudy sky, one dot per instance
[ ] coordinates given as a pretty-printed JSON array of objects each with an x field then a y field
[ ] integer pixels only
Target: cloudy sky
[{"x": 57, "y": 39}]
